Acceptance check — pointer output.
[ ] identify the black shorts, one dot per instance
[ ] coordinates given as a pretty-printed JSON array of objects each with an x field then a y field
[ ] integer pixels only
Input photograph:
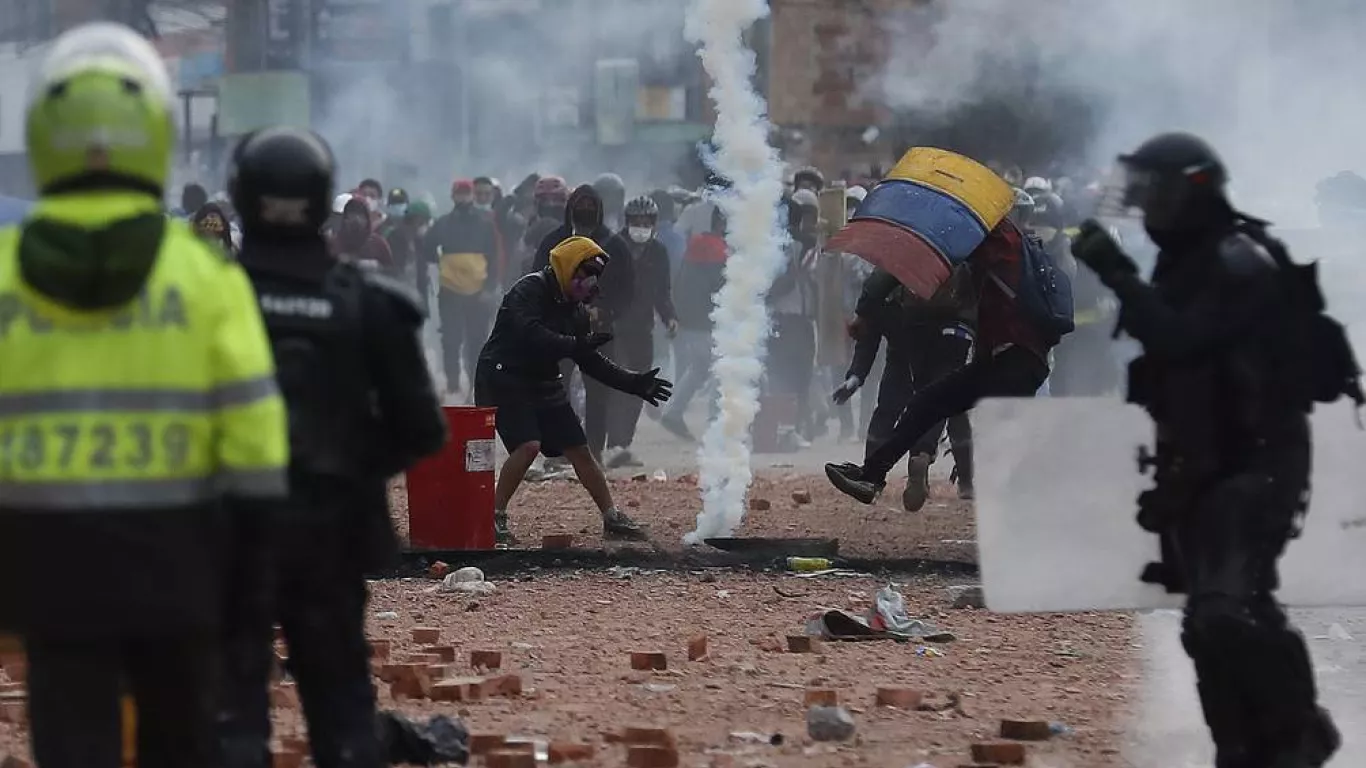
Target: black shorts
[{"x": 526, "y": 413}]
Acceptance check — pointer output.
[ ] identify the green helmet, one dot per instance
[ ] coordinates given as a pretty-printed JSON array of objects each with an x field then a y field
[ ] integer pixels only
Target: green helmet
[{"x": 100, "y": 112}]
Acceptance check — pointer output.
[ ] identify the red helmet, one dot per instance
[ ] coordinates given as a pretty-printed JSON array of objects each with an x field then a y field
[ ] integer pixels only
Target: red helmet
[{"x": 551, "y": 186}]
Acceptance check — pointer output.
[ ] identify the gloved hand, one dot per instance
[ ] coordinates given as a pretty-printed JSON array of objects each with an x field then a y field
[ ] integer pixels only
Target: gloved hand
[
  {"x": 591, "y": 341},
  {"x": 652, "y": 389},
  {"x": 1095, "y": 248},
  {"x": 671, "y": 329},
  {"x": 847, "y": 390}
]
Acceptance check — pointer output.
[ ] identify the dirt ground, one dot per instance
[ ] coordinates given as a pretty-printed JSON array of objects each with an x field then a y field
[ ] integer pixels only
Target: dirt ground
[{"x": 568, "y": 635}]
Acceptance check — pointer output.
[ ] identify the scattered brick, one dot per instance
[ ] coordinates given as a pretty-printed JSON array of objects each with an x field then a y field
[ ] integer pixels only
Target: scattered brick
[
  {"x": 649, "y": 660},
  {"x": 661, "y": 737},
  {"x": 802, "y": 644},
  {"x": 416, "y": 685},
  {"x": 801, "y": 497},
  {"x": 379, "y": 649},
  {"x": 424, "y": 659},
  {"x": 486, "y": 659},
  {"x": 505, "y": 758},
  {"x": 12, "y": 689},
  {"x": 13, "y": 712},
  {"x": 528, "y": 747},
  {"x": 639, "y": 477},
  {"x": 393, "y": 671},
  {"x": 557, "y": 541},
  {"x": 901, "y": 698},
  {"x": 651, "y": 756},
  {"x": 759, "y": 505},
  {"x": 438, "y": 570},
  {"x": 444, "y": 653},
  {"x": 438, "y": 671},
  {"x": 999, "y": 752},
  {"x": 284, "y": 696},
  {"x": 294, "y": 744},
  {"x": 10, "y": 761},
  {"x": 483, "y": 743},
  {"x": 821, "y": 697},
  {"x": 285, "y": 759},
  {"x": 697, "y": 648},
  {"x": 565, "y": 752},
  {"x": 505, "y": 685},
  {"x": 458, "y": 689},
  {"x": 426, "y": 635},
  {"x": 1026, "y": 730}
]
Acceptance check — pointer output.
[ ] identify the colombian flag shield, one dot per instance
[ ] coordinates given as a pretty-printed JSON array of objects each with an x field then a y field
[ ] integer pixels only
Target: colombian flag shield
[{"x": 926, "y": 217}]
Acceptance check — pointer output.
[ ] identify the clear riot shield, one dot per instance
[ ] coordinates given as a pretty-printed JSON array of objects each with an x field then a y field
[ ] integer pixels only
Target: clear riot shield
[{"x": 1057, "y": 488}]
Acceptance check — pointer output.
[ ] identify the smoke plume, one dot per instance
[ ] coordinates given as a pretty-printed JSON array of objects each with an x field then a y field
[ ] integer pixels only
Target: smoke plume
[{"x": 756, "y": 240}]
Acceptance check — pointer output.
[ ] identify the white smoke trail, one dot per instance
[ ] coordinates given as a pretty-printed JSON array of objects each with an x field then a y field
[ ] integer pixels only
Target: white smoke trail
[{"x": 756, "y": 241}]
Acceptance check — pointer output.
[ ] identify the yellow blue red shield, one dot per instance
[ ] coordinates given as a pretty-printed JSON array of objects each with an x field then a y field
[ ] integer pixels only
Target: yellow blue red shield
[{"x": 926, "y": 217}]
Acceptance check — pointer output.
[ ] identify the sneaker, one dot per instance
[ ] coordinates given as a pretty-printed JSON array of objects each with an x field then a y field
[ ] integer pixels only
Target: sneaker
[
  {"x": 502, "y": 531},
  {"x": 849, "y": 480},
  {"x": 617, "y": 526},
  {"x": 623, "y": 458},
  {"x": 677, "y": 427},
  {"x": 917, "y": 483}
]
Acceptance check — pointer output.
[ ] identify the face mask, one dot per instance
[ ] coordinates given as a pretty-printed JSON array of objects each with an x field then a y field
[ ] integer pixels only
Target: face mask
[
  {"x": 484, "y": 206},
  {"x": 464, "y": 205},
  {"x": 583, "y": 289},
  {"x": 398, "y": 209},
  {"x": 640, "y": 234}
]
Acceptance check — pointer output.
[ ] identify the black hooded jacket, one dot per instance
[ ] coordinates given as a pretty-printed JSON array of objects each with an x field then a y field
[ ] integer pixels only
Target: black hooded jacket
[{"x": 618, "y": 283}]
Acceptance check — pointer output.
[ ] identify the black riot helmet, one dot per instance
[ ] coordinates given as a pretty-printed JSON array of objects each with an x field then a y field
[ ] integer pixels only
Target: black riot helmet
[
  {"x": 1176, "y": 179},
  {"x": 281, "y": 183}
]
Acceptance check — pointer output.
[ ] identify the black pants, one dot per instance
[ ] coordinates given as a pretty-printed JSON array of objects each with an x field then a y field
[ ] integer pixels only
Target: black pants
[
  {"x": 923, "y": 358},
  {"x": 320, "y": 604},
  {"x": 75, "y": 691},
  {"x": 1012, "y": 372},
  {"x": 464, "y": 329},
  {"x": 1253, "y": 671},
  {"x": 792, "y": 352},
  {"x": 634, "y": 351}
]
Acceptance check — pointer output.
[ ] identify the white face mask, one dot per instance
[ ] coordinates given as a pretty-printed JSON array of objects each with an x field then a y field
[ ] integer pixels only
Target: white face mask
[{"x": 640, "y": 234}]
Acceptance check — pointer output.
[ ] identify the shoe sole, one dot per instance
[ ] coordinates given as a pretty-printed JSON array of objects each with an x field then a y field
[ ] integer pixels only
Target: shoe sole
[
  {"x": 838, "y": 480},
  {"x": 917, "y": 485}
]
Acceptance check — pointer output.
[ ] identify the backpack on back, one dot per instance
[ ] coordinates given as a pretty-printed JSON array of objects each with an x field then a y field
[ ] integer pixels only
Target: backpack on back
[
  {"x": 1331, "y": 364},
  {"x": 1045, "y": 290}
]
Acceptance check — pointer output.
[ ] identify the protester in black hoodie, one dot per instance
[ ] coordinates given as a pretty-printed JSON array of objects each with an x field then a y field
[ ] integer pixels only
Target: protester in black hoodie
[
  {"x": 583, "y": 217},
  {"x": 635, "y": 343}
]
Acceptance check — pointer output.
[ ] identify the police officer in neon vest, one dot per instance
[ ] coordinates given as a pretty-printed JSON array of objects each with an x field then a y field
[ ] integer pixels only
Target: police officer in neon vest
[
  {"x": 362, "y": 408},
  {"x": 141, "y": 431}
]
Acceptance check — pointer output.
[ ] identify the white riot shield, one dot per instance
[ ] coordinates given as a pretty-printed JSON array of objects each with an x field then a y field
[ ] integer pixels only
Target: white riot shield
[{"x": 1057, "y": 489}]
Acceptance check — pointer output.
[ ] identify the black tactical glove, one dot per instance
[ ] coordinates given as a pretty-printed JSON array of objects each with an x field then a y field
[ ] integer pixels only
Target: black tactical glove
[
  {"x": 1095, "y": 248},
  {"x": 847, "y": 390},
  {"x": 591, "y": 341},
  {"x": 652, "y": 389}
]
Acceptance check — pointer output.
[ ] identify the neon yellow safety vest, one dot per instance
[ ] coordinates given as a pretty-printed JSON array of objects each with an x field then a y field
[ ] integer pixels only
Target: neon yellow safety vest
[{"x": 168, "y": 401}]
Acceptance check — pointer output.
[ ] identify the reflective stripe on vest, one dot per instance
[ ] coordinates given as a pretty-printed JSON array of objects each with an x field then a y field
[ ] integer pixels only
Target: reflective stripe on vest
[{"x": 168, "y": 401}]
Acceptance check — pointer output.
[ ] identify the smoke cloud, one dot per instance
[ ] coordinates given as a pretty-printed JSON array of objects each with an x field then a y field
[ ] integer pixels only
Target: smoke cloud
[
  {"x": 756, "y": 239},
  {"x": 1074, "y": 82}
]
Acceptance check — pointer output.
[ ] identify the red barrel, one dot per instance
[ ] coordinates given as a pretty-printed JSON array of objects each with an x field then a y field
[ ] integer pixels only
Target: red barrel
[{"x": 450, "y": 495}]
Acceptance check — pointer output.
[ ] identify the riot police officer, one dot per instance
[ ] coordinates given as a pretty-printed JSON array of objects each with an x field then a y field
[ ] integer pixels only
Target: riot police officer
[
  {"x": 362, "y": 407},
  {"x": 1223, "y": 376}
]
